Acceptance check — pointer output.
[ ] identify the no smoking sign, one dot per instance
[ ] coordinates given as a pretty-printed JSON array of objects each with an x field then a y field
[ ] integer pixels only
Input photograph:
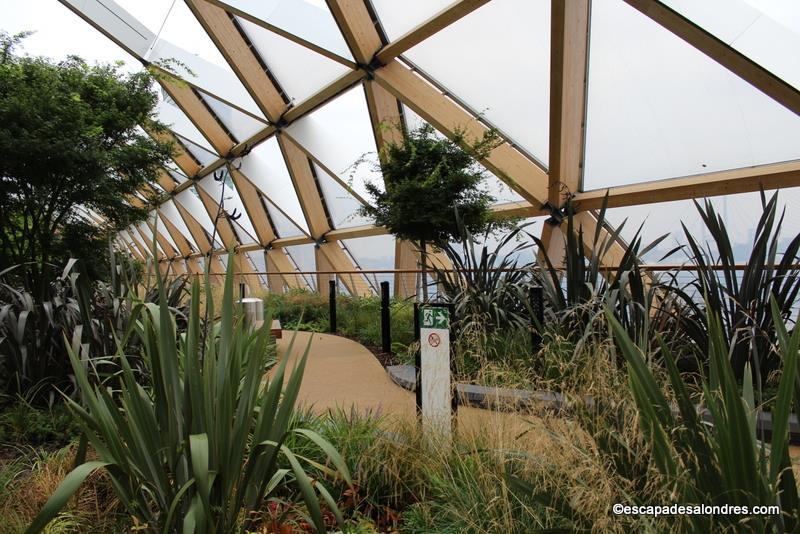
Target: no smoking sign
[{"x": 434, "y": 340}]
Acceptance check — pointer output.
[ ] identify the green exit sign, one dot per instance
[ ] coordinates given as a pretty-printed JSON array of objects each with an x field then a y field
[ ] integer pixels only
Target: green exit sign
[{"x": 434, "y": 318}]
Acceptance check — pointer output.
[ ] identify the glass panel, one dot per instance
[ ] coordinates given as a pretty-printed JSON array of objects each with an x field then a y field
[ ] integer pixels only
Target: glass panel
[
  {"x": 265, "y": 167},
  {"x": 339, "y": 135},
  {"x": 766, "y": 31},
  {"x": 659, "y": 108},
  {"x": 505, "y": 74},
  {"x": 241, "y": 125},
  {"x": 308, "y": 19},
  {"x": 300, "y": 72},
  {"x": 342, "y": 205},
  {"x": 398, "y": 18},
  {"x": 304, "y": 259},
  {"x": 146, "y": 234},
  {"x": 373, "y": 253}
]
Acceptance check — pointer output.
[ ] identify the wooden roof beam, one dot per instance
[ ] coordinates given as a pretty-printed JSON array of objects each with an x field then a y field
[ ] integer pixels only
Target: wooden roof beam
[
  {"x": 242, "y": 59},
  {"x": 422, "y": 31},
  {"x": 721, "y": 52},
  {"x": 511, "y": 166},
  {"x": 568, "y": 66}
]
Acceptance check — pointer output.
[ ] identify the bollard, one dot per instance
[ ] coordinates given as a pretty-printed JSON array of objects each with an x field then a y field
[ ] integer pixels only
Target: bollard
[
  {"x": 537, "y": 307},
  {"x": 332, "y": 297},
  {"x": 386, "y": 328}
]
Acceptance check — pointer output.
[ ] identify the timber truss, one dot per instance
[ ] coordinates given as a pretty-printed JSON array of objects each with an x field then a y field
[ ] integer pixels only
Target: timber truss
[{"x": 189, "y": 193}]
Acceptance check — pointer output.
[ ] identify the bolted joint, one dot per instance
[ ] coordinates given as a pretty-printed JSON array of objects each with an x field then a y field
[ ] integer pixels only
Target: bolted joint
[{"x": 557, "y": 215}]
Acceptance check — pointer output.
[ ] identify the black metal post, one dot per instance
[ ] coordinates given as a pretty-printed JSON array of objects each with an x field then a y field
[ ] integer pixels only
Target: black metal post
[
  {"x": 386, "y": 328},
  {"x": 537, "y": 319},
  {"x": 417, "y": 362},
  {"x": 332, "y": 294},
  {"x": 241, "y": 291}
]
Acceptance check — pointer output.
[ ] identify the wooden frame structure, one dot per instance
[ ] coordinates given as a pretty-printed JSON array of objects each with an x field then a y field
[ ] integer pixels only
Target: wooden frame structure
[{"x": 390, "y": 83}]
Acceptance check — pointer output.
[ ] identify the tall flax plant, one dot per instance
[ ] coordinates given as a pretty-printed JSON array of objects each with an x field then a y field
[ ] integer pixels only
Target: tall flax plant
[
  {"x": 197, "y": 450},
  {"x": 724, "y": 462},
  {"x": 578, "y": 290},
  {"x": 741, "y": 297}
]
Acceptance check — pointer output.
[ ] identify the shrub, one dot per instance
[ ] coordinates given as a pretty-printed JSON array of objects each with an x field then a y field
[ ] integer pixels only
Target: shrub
[{"x": 198, "y": 449}]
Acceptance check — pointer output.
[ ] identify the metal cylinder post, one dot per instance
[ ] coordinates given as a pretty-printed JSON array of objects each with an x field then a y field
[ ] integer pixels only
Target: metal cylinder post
[
  {"x": 332, "y": 298},
  {"x": 386, "y": 329}
]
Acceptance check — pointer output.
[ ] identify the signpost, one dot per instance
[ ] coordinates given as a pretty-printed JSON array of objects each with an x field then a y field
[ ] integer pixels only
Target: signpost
[{"x": 434, "y": 384}]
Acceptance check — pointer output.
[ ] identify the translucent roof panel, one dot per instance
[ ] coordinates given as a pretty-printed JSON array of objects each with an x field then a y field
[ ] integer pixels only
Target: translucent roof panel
[
  {"x": 184, "y": 48},
  {"x": 339, "y": 135},
  {"x": 171, "y": 213},
  {"x": 398, "y": 18},
  {"x": 240, "y": 124},
  {"x": 372, "y": 253},
  {"x": 190, "y": 201},
  {"x": 342, "y": 205},
  {"x": 173, "y": 117},
  {"x": 304, "y": 258},
  {"x": 162, "y": 229},
  {"x": 660, "y": 108},
  {"x": 204, "y": 156},
  {"x": 284, "y": 226},
  {"x": 266, "y": 168},
  {"x": 259, "y": 264},
  {"x": 504, "y": 75},
  {"x": 310, "y": 20},
  {"x": 492, "y": 184},
  {"x": 740, "y": 213},
  {"x": 301, "y": 72},
  {"x": 766, "y": 31},
  {"x": 232, "y": 204}
]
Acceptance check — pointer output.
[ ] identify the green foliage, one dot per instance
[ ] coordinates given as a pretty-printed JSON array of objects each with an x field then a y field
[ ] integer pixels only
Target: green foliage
[
  {"x": 426, "y": 177},
  {"x": 22, "y": 424},
  {"x": 198, "y": 450},
  {"x": 726, "y": 462},
  {"x": 69, "y": 138},
  {"x": 489, "y": 287},
  {"x": 35, "y": 331},
  {"x": 741, "y": 298}
]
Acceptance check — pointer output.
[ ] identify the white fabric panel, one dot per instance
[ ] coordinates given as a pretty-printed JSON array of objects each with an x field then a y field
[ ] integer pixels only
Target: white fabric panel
[
  {"x": 200, "y": 154},
  {"x": 300, "y": 72},
  {"x": 118, "y": 22},
  {"x": 232, "y": 204},
  {"x": 172, "y": 116},
  {"x": 397, "y": 18},
  {"x": 190, "y": 200},
  {"x": 740, "y": 213},
  {"x": 304, "y": 258},
  {"x": 163, "y": 230},
  {"x": 505, "y": 76},
  {"x": 172, "y": 214},
  {"x": 659, "y": 108},
  {"x": 266, "y": 168},
  {"x": 767, "y": 31},
  {"x": 342, "y": 205},
  {"x": 241, "y": 125},
  {"x": 339, "y": 134},
  {"x": 310, "y": 20},
  {"x": 284, "y": 226}
]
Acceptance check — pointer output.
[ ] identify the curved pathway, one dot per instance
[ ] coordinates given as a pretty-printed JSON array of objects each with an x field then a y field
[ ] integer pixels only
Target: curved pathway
[{"x": 341, "y": 373}]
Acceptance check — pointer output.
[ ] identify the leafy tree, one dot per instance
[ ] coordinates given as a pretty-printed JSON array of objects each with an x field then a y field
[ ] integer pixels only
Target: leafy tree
[
  {"x": 69, "y": 141},
  {"x": 431, "y": 185}
]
